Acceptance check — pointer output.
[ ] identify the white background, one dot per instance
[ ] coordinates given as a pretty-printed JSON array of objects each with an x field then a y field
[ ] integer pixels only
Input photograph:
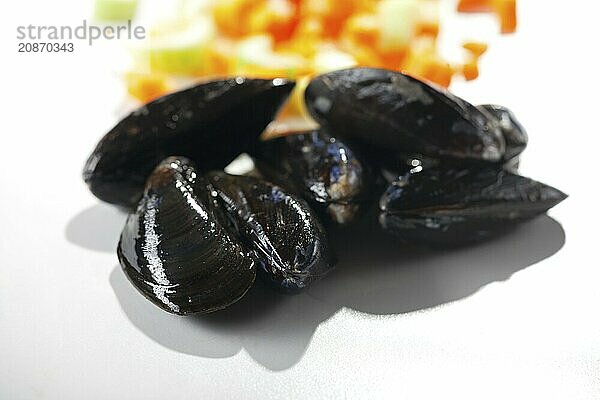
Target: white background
[{"x": 513, "y": 318}]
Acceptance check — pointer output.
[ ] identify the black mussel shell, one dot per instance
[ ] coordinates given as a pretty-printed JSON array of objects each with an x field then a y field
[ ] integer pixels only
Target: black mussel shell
[
  {"x": 462, "y": 204},
  {"x": 397, "y": 166},
  {"x": 280, "y": 229},
  {"x": 210, "y": 123},
  {"x": 514, "y": 134},
  {"x": 323, "y": 169},
  {"x": 390, "y": 110},
  {"x": 179, "y": 250}
]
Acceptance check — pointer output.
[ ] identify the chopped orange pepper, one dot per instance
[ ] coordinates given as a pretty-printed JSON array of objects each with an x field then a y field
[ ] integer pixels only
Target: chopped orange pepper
[
  {"x": 475, "y": 48},
  {"x": 306, "y": 38},
  {"x": 470, "y": 70},
  {"x": 146, "y": 87},
  {"x": 506, "y": 10},
  {"x": 394, "y": 60},
  {"x": 332, "y": 13},
  {"x": 472, "y": 6},
  {"x": 311, "y": 36},
  {"x": 438, "y": 72},
  {"x": 423, "y": 62},
  {"x": 231, "y": 16},
  {"x": 428, "y": 29},
  {"x": 362, "y": 29},
  {"x": 279, "y": 20}
]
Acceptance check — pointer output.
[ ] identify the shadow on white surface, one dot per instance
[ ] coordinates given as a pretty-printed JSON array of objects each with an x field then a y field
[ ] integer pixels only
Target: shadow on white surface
[
  {"x": 374, "y": 275},
  {"x": 97, "y": 228}
]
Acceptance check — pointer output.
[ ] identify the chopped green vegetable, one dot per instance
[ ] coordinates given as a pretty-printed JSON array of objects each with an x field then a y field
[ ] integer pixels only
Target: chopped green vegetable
[
  {"x": 397, "y": 20},
  {"x": 180, "y": 49},
  {"x": 115, "y": 10}
]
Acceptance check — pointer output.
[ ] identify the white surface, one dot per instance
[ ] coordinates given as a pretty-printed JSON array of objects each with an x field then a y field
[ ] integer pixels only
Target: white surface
[{"x": 513, "y": 318}]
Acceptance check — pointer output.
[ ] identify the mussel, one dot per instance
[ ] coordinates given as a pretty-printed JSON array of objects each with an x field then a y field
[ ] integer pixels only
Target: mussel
[
  {"x": 453, "y": 205},
  {"x": 396, "y": 164},
  {"x": 392, "y": 111},
  {"x": 194, "y": 243},
  {"x": 210, "y": 123},
  {"x": 199, "y": 237},
  {"x": 179, "y": 250},
  {"x": 322, "y": 168},
  {"x": 279, "y": 228}
]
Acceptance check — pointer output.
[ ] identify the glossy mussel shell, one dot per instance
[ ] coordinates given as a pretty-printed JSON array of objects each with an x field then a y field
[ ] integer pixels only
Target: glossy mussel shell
[
  {"x": 512, "y": 130},
  {"x": 279, "y": 228},
  {"x": 514, "y": 134},
  {"x": 461, "y": 204},
  {"x": 392, "y": 111},
  {"x": 194, "y": 243},
  {"x": 322, "y": 168},
  {"x": 210, "y": 123},
  {"x": 179, "y": 250}
]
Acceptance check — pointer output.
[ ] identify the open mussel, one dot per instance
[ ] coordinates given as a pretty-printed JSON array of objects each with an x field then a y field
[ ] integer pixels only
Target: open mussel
[
  {"x": 462, "y": 204},
  {"x": 393, "y": 111},
  {"x": 322, "y": 168},
  {"x": 179, "y": 250},
  {"x": 279, "y": 228},
  {"x": 210, "y": 123}
]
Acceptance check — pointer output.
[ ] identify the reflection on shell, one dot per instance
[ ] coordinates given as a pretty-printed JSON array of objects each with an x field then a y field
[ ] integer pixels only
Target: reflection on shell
[{"x": 178, "y": 249}]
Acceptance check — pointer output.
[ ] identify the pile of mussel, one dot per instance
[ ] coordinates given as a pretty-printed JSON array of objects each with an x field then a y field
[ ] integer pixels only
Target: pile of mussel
[{"x": 439, "y": 169}]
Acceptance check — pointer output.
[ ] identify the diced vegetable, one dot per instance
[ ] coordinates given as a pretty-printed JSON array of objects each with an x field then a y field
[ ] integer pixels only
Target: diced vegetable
[
  {"x": 146, "y": 87},
  {"x": 428, "y": 22},
  {"x": 181, "y": 50},
  {"x": 115, "y": 10},
  {"x": 507, "y": 13},
  {"x": 474, "y": 5},
  {"x": 299, "y": 38},
  {"x": 278, "y": 18},
  {"x": 231, "y": 16},
  {"x": 470, "y": 70},
  {"x": 256, "y": 57},
  {"x": 475, "y": 48},
  {"x": 505, "y": 10},
  {"x": 397, "y": 21}
]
